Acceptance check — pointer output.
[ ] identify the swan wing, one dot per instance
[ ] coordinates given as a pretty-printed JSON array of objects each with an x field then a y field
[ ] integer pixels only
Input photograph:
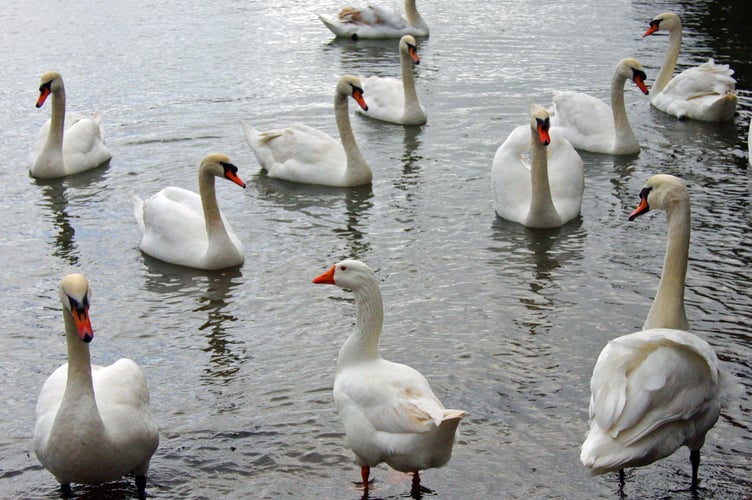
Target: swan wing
[
  {"x": 386, "y": 98},
  {"x": 83, "y": 145},
  {"x": 373, "y": 21},
  {"x": 510, "y": 176},
  {"x": 647, "y": 379},
  {"x": 394, "y": 398},
  {"x": 566, "y": 176},
  {"x": 706, "y": 92},
  {"x": 583, "y": 120}
]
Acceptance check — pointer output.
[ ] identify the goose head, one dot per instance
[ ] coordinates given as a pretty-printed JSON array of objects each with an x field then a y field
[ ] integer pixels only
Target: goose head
[
  {"x": 408, "y": 46},
  {"x": 540, "y": 122},
  {"x": 75, "y": 295},
  {"x": 349, "y": 273},
  {"x": 50, "y": 83},
  {"x": 219, "y": 165},
  {"x": 349, "y": 85},
  {"x": 661, "y": 191},
  {"x": 667, "y": 21},
  {"x": 631, "y": 69}
]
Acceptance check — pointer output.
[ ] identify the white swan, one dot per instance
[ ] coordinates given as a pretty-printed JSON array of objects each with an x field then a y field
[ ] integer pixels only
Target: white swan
[
  {"x": 388, "y": 409},
  {"x": 187, "y": 229},
  {"x": 93, "y": 423},
  {"x": 306, "y": 155},
  {"x": 706, "y": 92},
  {"x": 375, "y": 21},
  {"x": 65, "y": 147},
  {"x": 590, "y": 124},
  {"x": 656, "y": 390},
  {"x": 545, "y": 192},
  {"x": 393, "y": 100}
]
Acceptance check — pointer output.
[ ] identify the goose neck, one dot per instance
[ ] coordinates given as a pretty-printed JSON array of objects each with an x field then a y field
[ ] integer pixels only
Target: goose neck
[
  {"x": 669, "y": 60},
  {"x": 363, "y": 343},
  {"x": 667, "y": 310}
]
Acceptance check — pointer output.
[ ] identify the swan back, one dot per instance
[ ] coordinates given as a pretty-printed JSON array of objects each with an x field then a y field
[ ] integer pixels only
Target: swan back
[{"x": 376, "y": 21}]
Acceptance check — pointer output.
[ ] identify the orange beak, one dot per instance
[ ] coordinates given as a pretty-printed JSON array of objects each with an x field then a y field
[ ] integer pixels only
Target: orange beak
[
  {"x": 545, "y": 138},
  {"x": 640, "y": 82},
  {"x": 413, "y": 54},
  {"x": 327, "y": 278},
  {"x": 234, "y": 178},
  {"x": 43, "y": 94},
  {"x": 83, "y": 324},
  {"x": 641, "y": 209},
  {"x": 652, "y": 29},
  {"x": 358, "y": 96}
]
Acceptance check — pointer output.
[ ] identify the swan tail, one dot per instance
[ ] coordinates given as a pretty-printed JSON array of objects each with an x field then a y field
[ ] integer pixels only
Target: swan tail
[
  {"x": 337, "y": 28},
  {"x": 138, "y": 212}
]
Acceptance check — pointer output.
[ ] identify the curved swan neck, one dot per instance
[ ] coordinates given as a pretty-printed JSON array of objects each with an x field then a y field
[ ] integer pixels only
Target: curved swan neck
[
  {"x": 408, "y": 83},
  {"x": 541, "y": 203},
  {"x": 57, "y": 117},
  {"x": 622, "y": 129},
  {"x": 214, "y": 225},
  {"x": 413, "y": 16},
  {"x": 79, "y": 385},
  {"x": 667, "y": 310},
  {"x": 669, "y": 60},
  {"x": 363, "y": 342},
  {"x": 356, "y": 164}
]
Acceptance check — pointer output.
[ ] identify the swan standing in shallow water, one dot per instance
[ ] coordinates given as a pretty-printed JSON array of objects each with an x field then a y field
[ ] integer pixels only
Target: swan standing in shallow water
[
  {"x": 93, "y": 423},
  {"x": 393, "y": 100},
  {"x": 590, "y": 124},
  {"x": 656, "y": 390},
  {"x": 306, "y": 155},
  {"x": 388, "y": 409},
  {"x": 375, "y": 21},
  {"x": 181, "y": 227},
  {"x": 547, "y": 191},
  {"x": 66, "y": 147},
  {"x": 706, "y": 92}
]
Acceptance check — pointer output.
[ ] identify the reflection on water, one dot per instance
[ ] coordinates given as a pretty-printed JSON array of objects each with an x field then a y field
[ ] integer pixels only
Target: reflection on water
[{"x": 64, "y": 244}]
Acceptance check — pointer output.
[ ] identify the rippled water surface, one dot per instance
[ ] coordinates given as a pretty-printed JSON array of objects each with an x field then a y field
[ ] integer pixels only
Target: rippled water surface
[{"x": 505, "y": 322}]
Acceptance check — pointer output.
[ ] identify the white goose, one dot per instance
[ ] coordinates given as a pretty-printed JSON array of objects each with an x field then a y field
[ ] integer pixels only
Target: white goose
[
  {"x": 590, "y": 124},
  {"x": 547, "y": 191},
  {"x": 388, "y": 409},
  {"x": 393, "y": 100},
  {"x": 307, "y": 155},
  {"x": 184, "y": 228},
  {"x": 706, "y": 92},
  {"x": 656, "y": 390},
  {"x": 93, "y": 423},
  {"x": 375, "y": 21},
  {"x": 66, "y": 147}
]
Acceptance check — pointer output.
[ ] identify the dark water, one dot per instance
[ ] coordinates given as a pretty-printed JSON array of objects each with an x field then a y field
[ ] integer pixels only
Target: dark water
[{"x": 505, "y": 322}]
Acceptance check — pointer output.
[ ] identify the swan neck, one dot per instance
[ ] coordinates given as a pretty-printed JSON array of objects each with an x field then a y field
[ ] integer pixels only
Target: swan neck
[
  {"x": 363, "y": 343},
  {"x": 541, "y": 203},
  {"x": 57, "y": 117},
  {"x": 408, "y": 82},
  {"x": 413, "y": 16},
  {"x": 624, "y": 135},
  {"x": 356, "y": 164},
  {"x": 214, "y": 224},
  {"x": 669, "y": 60},
  {"x": 79, "y": 386},
  {"x": 667, "y": 310}
]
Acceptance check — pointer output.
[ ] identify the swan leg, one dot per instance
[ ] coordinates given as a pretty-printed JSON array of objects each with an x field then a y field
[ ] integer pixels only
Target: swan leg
[
  {"x": 141, "y": 485},
  {"x": 365, "y": 471},
  {"x": 65, "y": 489},
  {"x": 694, "y": 459},
  {"x": 622, "y": 482}
]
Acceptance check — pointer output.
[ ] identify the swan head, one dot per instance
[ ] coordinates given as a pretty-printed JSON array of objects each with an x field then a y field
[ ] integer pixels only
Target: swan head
[
  {"x": 50, "y": 83},
  {"x": 667, "y": 21},
  {"x": 540, "y": 123},
  {"x": 631, "y": 69},
  {"x": 75, "y": 295},
  {"x": 351, "y": 274},
  {"x": 661, "y": 191},
  {"x": 219, "y": 165},
  {"x": 408, "y": 46},
  {"x": 349, "y": 85}
]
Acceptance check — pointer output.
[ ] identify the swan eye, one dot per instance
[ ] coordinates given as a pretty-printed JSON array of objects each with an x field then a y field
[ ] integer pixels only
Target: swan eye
[
  {"x": 636, "y": 73},
  {"x": 543, "y": 123},
  {"x": 229, "y": 167},
  {"x": 655, "y": 23},
  {"x": 46, "y": 86},
  {"x": 645, "y": 192}
]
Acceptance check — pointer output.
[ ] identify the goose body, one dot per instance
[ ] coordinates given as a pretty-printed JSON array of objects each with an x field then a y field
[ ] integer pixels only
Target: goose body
[
  {"x": 376, "y": 21},
  {"x": 590, "y": 124},
  {"x": 396, "y": 100},
  {"x": 545, "y": 191},
  {"x": 66, "y": 145},
  {"x": 184, "y": 228},
  {"x": 656, "y": 390},
  {"x": 93, "y": 423},
  {"x": 706, "y": 92},
  {"x": 388, "y": 409},
  {"x": 309, "y": 156}
]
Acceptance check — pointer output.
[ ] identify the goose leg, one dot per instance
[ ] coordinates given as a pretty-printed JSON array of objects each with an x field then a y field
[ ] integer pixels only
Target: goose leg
[{"x": 694, "y": 459}]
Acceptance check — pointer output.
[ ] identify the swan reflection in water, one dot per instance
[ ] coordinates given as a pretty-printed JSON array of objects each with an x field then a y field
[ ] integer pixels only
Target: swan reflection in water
[{"x": 56, "y": 199}]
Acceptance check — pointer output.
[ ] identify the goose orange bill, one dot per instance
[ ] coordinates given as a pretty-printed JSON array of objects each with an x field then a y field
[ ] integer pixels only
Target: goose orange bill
[{"x": 327, "y": 278}]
